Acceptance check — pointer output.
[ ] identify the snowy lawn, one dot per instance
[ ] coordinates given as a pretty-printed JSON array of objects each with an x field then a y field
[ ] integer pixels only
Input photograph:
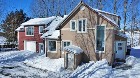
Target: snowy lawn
[
  {"x": 45, "y": 63},
  {"x": 13, "y": 64},
  {"x": 25, "y": 64}
]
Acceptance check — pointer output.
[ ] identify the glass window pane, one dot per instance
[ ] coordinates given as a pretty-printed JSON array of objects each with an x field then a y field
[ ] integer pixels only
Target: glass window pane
[
  {"x": 41, "y": 29},
  {"x": 100, "y": 38},
  {"x": 80, "y": 26},
  {"x": 52, "y": 45},
  {"x": 73, "y": 25},
  {"x": 84, "y": 25},
  {"x": 65, "y": 44},
  {"x": 68, "y": 43}
]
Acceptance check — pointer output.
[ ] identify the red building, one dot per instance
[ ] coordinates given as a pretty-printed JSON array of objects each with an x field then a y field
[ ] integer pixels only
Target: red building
[{"x": 29, "y": 34}]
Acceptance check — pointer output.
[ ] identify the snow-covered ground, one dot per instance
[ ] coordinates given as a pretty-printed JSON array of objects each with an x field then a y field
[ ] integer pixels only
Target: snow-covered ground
[{"x": 25, "y": 64}]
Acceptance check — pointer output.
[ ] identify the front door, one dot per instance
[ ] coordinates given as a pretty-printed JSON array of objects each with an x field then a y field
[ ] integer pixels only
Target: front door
[
  {"x": 41, "y": 48},
  {"x": 120, "y": 49}
]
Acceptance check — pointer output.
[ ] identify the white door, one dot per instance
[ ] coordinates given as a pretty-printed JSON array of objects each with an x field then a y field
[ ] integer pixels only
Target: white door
[
  {"x": 41, "y": 48},
  {"x": 120, "y": 49},
  {"x": 30, "y": 46}
]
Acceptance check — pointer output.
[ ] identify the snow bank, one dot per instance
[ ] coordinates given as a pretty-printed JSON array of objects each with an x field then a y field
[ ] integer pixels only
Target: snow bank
[
  {"x": 45, "y": 63},
  {"x": 2, "y": 40},
  {"x": 100, "y": 69},
  {"x": 73, "y": 49}
]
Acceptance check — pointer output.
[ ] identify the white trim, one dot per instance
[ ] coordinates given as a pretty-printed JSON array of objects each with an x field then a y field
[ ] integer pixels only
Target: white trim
[
  {"x": 90, "y": 28},
  {"x": 62, "y": 44},
  {"x": 81, "y": 19},
  {"x": 104, "y": 38},
  {"x": 48, "y": 46},
  {"x": 26, "y": 33},
  {"x": 40, "y": 28},
  {"x": 71, "y": 25},
  {"x": 65, "y": 29}
]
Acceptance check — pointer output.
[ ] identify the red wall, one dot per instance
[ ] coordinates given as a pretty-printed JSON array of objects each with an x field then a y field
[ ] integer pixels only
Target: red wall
[{"x": 36, "y": 38}]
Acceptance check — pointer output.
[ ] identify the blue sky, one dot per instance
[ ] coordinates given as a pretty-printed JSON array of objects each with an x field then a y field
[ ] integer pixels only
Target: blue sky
[{"x": 12, "y": 5}]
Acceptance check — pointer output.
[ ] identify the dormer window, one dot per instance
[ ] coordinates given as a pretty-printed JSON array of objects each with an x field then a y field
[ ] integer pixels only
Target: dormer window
[{"x": 73, "y": 25}]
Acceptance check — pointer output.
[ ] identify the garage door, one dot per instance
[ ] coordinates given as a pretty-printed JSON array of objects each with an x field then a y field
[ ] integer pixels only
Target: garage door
[{"x": 30, "y": 46}]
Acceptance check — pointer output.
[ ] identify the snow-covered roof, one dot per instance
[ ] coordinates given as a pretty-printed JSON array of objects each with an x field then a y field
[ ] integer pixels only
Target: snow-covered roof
[
  {"x": 101, "y": 13},
  {"x": 73, "y": 49},
  {"x": 109, "y": 19},
  {"x": 122, "y": 34},
  {"x": 51, "y": 29},
  {"x": 37, "y": 21},
  {"x": 54, "y": 23},
  {"x": 51, "y": 34},
  {"x": 2, "y": 40}
]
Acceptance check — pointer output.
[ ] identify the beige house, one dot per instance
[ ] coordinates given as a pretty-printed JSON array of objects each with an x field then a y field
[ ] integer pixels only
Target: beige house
[{"x": 96, "y": 32}]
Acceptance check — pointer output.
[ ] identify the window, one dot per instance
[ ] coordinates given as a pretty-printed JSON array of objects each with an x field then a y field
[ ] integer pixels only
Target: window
[
  {"x": 73, "y": 25},
  {"x": 51, "y": 45},
  {"x": 29, "y": 31},
  {"x": 100, "y": 38},
  {"x": 66, "y": 43},
  {"x": 41, "y": 29},
  {"x": 82, "y": 28}
]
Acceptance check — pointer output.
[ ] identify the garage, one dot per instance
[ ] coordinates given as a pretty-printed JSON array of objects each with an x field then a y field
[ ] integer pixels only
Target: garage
[{"x": 30, "y": 45}]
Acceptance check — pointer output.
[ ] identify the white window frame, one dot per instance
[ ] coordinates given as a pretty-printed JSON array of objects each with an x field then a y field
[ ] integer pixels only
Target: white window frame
[
  {"x": 26, "y": 31},
  {"x": 71, "y": 25},
  {"x": 65, "y": 41},
  {"x": 55, "y": 45},
  {"x": 82, "y": 25},
  {"x": 40, "y": 28},
  {"x": 104, "y": 38}
]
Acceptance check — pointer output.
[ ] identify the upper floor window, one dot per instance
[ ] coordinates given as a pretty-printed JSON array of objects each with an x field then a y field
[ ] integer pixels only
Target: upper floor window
[
  {"x": 73, "y": 25},
  {"x": 82, "y": 26},
  {"x": 41, "y": 29},
  {"x": 29, "y": 30},
  {"x": 100, "y": 38}
]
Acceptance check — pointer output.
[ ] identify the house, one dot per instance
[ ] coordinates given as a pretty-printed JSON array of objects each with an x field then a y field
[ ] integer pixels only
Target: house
[
  {"x": 29, "y": 34},
  {"x": 52, "y": 37},
  {"x": 95, "y": 32}
]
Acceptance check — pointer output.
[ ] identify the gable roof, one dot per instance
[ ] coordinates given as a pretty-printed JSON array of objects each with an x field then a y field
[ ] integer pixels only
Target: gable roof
[{"x": 99, "y": 12}]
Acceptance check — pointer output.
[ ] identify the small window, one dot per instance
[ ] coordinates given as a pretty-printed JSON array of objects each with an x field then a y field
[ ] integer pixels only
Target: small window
[
  {"x": 82, "y": 26},
  {"x": 66, "y": 43},
  {"x": 100, "y": 38},
  {"x": 29, "y": 31},
  {"x": 41, "y": 29},
  {"x": 51, "y": 45},
  {"x": 73, "y": 25}
]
